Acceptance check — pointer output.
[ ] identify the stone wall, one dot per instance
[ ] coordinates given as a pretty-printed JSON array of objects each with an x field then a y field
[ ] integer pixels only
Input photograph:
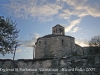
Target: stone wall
[
  {"x": 79, "y": 50},
  {"x": 52, "y": 66}
]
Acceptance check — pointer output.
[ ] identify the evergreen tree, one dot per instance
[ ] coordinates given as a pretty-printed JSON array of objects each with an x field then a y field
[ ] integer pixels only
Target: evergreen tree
[{"x": 8, "y": 36}]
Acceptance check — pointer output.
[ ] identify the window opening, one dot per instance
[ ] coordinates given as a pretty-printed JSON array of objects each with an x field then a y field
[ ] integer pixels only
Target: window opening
[
  {"x": 56, "y": 30},
  {"x": 62, "y": 42},
  {"x": 39, "y": 42}
]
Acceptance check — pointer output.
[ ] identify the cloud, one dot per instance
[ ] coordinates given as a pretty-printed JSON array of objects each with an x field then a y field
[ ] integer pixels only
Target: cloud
[
  {"x": 31, "y": 42},
  {"x": 28, "y": 45},
  {"x": 46, "y": 10},
  {"x": 19, "y": 50},
  {"x": 36, "y": 35},
  {"x": 65, "y": 14},
  {"x": 82, "y": 8},
  {"x": 75, "y": 29},
  {"x": 32, "y": 9},
  {"x": 81, "y": 42},
  {"x": 72, "y": 24}
]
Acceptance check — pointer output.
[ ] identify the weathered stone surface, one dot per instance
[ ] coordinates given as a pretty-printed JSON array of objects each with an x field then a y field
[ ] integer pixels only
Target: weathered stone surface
[{"x": 41, "y": 66}]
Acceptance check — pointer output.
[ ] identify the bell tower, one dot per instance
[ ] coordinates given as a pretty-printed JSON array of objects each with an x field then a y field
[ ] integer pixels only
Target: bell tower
[{"x": 58, "y": 30}]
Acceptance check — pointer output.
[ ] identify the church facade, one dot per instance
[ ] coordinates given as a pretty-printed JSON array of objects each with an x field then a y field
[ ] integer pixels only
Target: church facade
[{"x": 55, "y": 54}]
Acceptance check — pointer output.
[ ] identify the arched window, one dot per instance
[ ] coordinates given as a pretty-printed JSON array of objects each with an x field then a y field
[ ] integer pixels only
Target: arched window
[{"x": 39, "y": 42}]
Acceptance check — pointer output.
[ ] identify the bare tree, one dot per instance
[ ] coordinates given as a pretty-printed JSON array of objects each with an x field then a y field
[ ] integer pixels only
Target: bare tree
[
  {"x": 94, "y": 45},
  {"x": 95, "y": 41}
]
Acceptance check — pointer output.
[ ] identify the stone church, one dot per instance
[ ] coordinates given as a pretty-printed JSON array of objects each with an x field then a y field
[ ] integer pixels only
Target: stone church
[
  {"x": 55, "y": 54},
  {"x": 57, "y": 45}
]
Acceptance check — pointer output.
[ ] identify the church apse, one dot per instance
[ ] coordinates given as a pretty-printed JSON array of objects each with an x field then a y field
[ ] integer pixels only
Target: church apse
[{"x": 55, "y": 45}]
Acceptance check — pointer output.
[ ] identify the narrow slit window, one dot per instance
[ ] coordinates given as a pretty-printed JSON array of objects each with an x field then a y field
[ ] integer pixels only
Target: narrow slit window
[
  {"x": 56, "y": 30},
  {"x": 62, "y": 42},
  {"x": 60, "y": 30}
]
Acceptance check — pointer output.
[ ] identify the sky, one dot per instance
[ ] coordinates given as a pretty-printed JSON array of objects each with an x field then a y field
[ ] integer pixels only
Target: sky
[{"x": 35, "y": 18}]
